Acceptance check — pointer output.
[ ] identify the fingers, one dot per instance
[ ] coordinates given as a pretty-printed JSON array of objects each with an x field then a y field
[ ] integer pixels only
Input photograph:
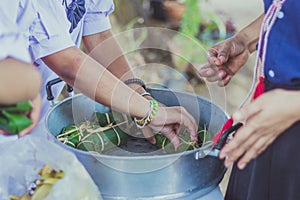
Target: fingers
[
  {"x": 250, "y": 140},
  {"x": 183, "y": 117},
  {"x": 218, "y": 54},
  {"x": 218, "y": 74},
  {"x": 224, "y": 81},
  {"x": 207, "y": 70},
  {"x": 212, "y": 55},
  {"x": 224, "y": 60},
  {"x": 190, "y": 123},
  {"x": 245, "y": 135},
  {"x": 34, "y": 116},
  {"x": 223, "y": 54},
  {"x": 256, "y": 149},
  {"x": 148, "y": 134},
  {"x": 169, "y": 131},
  {"x": 242, "y": 142},
  {"x": 171, "y": 135},
  {"x": 238, "y": 142},
  {"x": 167, "y": 117},
  {"x": 247, "y": 111}
]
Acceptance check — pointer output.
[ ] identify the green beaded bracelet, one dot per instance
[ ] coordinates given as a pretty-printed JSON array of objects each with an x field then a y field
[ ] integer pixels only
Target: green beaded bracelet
[{"x": 141, "y": 123}]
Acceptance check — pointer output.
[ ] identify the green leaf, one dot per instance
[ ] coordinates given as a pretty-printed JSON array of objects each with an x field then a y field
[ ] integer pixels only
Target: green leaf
[
  {"x": 20, "y": 107},
  {"x": 14, "y": 122},
  {"x": 185, "y": 141}
]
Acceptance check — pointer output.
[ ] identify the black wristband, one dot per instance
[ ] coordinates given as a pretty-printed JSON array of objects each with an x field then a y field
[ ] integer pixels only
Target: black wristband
[{"x": 136, "y": 81}]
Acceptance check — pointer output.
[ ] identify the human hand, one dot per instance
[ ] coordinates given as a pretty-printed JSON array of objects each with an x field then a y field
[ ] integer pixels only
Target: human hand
[
  {"x": 34, "y": 115},
  {"x": 224, "y": 60},
  {"x": 147, "y": 131},
  {"x": 167, "y": 121},
  {"x": 265, "y": 119}
]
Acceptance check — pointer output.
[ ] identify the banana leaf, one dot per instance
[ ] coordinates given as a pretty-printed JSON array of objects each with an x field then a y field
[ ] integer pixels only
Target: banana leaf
[
  {"x": 102, "y": 140},
  {"x": 20, "y": 107},
  {"x": 185, "y": 142},
  {"x": 105, "y": 119},
  {"x": 103, "y": 132},
  {"x": 13, "y": 118},
  {"x": 70, "y": 135}
]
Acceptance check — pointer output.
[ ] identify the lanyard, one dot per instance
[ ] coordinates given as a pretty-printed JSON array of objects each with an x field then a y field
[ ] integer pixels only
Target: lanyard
[{"x": 267, "y": 24}]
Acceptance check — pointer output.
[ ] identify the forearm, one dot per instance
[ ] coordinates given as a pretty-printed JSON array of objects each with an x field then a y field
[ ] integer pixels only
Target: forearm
[
  {"x": 93, "y": 80},
  {"x": 250, "y": 34},
  {"x": 19, "y": 81},
  {"x": 104, "y": 48}
]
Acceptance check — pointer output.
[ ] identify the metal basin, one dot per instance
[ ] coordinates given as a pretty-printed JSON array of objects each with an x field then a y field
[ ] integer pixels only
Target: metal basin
[{"x": 147, "y": 176}]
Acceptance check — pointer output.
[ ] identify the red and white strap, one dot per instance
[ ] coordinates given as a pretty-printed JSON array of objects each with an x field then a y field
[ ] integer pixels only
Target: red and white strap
[{"x": 267, "y": 24}]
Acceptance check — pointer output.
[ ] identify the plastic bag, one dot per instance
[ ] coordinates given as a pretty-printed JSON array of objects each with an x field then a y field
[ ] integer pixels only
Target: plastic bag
[{"x": 22, "y": 159}]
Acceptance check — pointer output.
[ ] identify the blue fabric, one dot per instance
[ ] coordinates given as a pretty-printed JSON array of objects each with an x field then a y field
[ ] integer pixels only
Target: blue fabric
[
  {"x": 75, "y": 11},
  {"x": 283, "y": 50}
]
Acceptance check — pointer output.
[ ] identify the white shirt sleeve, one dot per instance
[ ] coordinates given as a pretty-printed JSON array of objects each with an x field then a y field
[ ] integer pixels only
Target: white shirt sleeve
[
  {"x": 97, "y": 16},
  {"x": 49, "y": 32},
  {"x": 15, "y": 18}
]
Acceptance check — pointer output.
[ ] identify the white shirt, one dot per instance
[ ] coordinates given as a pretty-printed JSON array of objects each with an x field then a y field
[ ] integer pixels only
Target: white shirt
[
  {"x": 15, "y": 18},
  {"x": 57, "y": 37}
]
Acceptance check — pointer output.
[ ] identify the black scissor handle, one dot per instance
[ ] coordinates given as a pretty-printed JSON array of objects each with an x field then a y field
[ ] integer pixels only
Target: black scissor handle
[{"x": 226, "y": 133}]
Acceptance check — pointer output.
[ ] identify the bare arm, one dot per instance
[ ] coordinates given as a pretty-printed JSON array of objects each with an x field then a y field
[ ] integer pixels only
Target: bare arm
[
  {"x": 250, "y": 34},
  {"x": 227, "y": 57},
  {"x": 19, "y": 81},
  {"x": 104, "y": 48},
  {"x": 92, "y": 79}
]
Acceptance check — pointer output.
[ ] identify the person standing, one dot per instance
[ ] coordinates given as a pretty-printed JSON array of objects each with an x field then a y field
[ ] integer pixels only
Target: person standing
[
  {"x": 265, "y": 150},
  {"x": 53, "y": 38}
]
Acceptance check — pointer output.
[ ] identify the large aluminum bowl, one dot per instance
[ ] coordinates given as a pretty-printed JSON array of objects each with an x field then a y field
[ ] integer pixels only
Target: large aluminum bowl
[{"x": 149, "y": 176}]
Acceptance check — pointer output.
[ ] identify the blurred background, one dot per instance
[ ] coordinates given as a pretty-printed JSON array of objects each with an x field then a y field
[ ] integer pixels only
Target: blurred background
[{"x": 170, "y": 54}]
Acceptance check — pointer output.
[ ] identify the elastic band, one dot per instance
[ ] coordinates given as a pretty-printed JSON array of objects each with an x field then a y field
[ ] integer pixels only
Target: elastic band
[{"x": 136, "y": 81}]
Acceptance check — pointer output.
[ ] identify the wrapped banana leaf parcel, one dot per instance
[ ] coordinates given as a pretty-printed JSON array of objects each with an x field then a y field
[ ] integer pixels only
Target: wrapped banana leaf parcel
[
  {"x": 103, "y": 132},
  {"x": 106, "y": 131},
  {"x": 186, "y": 143},
  {"x": 13, "y": 118}
]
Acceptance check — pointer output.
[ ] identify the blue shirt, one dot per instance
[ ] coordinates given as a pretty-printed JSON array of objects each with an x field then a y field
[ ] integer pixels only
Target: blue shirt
[{"x": 282, "y": 63}]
